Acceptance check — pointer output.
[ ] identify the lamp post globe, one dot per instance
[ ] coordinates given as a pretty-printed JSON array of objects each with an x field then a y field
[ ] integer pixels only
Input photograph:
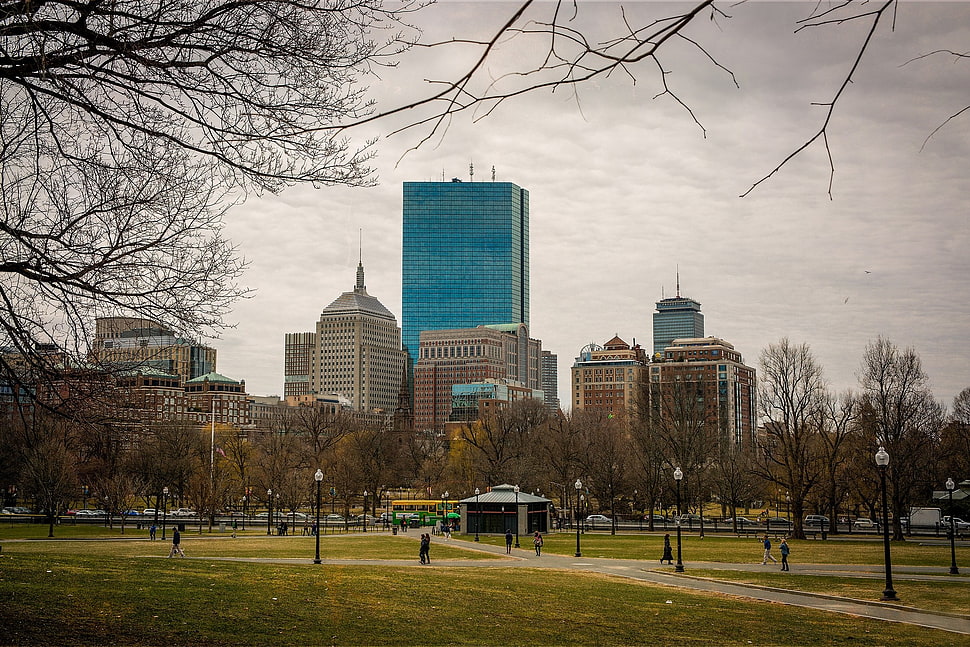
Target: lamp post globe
[
  {"x": 882, "y": 463},
  {"x": 478, "y": 514},
  {"x": 950, "y": 486},
  {"x": 579, "y": 486},
  {"x": 318, "y": 477},
  {"x": 516, "y": 490},
  {"x": 164, "y": 509},
  {"x": 678, "y": 476}
]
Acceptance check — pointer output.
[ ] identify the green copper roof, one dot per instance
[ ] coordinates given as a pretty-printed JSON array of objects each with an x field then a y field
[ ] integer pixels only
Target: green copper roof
[{"x": 212, "y": 377}]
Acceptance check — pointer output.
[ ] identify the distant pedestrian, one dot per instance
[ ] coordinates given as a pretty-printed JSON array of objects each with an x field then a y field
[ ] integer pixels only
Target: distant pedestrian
[
  {"x": 766, "y": 542},
  {"x": 151, "y": 532},
  {"x": 447, "y": 531},
  {"x": 176, "y": 544},
  {"x": 233, "y": 528},
  {"x": 668, "y": 553},
  {"x": 537, "y": 542},
  {"x": 785, "y": 549},
  {"x": 508, "y": 542},
  {"x": 425, "y": 551}
]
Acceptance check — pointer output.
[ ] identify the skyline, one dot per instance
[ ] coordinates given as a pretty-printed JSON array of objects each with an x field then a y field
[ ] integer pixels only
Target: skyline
[{"x": 625, "y": 187}]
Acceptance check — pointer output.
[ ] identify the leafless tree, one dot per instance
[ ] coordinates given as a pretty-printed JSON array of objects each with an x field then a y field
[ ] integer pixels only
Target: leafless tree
[
  {"x": 606, "y": 458},
  {"x": 791, "y": 399},
  {"x": 955, "y": 438},
  {"x": 837, "y": 425},
  {"x": 128, "y": 128},
  {"x": 899, "y": 413}
]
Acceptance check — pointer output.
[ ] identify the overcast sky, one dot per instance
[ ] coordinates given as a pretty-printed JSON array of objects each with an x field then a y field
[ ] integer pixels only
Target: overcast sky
[{"x": 624, "y": 187}]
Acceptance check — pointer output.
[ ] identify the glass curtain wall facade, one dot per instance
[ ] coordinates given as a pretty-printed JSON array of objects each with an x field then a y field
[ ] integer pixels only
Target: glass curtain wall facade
[
  {"x": 465, "y": 257},
  {"x": 676, "y": 318}
]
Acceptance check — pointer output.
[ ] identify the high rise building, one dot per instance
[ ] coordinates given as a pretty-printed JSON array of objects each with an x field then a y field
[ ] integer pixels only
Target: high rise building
[
  {"x": 676, "y": 318},
  {"x": 298, "y": 354},
  {"x": 710, "y": 372},
  {"x": 465, "y": 257},
  {"x": 356, "y": 353},
  {"x": 130, "y": 340},
  {"x": 605, "y": 378},
  {"x": 467, "y": 356},
  {"x": 550, "y": 380}
]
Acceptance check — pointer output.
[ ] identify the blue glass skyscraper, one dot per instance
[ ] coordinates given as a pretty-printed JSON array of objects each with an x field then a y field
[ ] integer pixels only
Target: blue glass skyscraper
[
  {"x": 676, "y": 318},
  {"x": 465, "y": 257}
]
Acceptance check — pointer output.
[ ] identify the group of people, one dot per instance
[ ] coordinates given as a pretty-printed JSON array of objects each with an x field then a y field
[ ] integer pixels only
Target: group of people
[
  {"x": 785, "y": 549},
  {"x": 536, "y": 542}
]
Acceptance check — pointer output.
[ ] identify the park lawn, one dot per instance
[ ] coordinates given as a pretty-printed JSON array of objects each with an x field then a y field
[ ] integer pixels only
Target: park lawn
[
  {"x": 62, "y": 596},
  {"x": 338, "y": 546},
  {"x": 942, "y": 595},
  {"x": 734, "y": 550}
]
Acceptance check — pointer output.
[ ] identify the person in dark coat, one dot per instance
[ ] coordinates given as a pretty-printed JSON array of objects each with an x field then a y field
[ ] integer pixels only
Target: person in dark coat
[
  {"x": 176, "y": 544},
  {"x": 668, "y": 553},
  {"x": 425, "y": 551},
  {"x": 508, "y": 541},
  {"x": 785, "y": 550}
]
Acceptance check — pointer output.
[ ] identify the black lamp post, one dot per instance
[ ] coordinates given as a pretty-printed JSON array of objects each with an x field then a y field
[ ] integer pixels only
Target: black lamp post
[
  {"x": 365, "y": 510},
  {"x": 882, "y": 462},
  {"x": 516, "y": 490},
  {"x": 164, "y": 509},
  {"x": 478, "y": 519},
  {"x": 318, "y": 477},
  {"x": 678, "y": 476},
  {"x": 579, "y": 486},
  {"x": 950, "y": 486},
  {"x": 269, "y": 518}
]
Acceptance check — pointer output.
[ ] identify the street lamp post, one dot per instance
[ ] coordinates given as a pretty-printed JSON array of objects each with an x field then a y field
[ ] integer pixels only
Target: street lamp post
[
  {"x": 579, "y": 486},
  {"x": 269, "y": 518},
  {"x": 882, "y": 462},
  {"x": 164, "y": 509},
  {"x": 678, "y": 476},
  {"x": 950, "y": 486},
  {"x": 478, "y": 514},
  {"x": 318, "y": 477},
  {"x": 516, "y": 490},
  {"x": 365, "y": 510}
]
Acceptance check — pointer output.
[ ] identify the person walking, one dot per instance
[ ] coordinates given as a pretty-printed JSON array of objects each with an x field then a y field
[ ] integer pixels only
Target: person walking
[
  {"x": 668, "y": 555},
  {"x": 151, "y": 532},
  {"x": 508, "y": 542},
  {"x": 425, "y": 551},
  {"x": 785, "y": 550},
  {"x": 766, "y": 542},
  {"x": 537, "y": 542},
  {"x": 176, "y": 543},
  {"x": 233, "y": 528}
]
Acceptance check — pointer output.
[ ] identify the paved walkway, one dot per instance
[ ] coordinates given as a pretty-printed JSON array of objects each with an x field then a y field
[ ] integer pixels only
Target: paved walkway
[{"x": 664, "y": 576}]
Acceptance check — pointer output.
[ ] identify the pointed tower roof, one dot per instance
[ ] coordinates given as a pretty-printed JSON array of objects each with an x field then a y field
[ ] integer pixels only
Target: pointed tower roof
[{"x": 358, "y": 301}]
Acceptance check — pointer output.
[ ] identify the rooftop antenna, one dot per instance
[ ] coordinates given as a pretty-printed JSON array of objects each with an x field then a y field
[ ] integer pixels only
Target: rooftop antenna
[
  {"x": 678, "y": 281},
  {"x": 471, "y": 171},
  {"x": 360, "y": 246},
  {"x": 493, "y": 172}
]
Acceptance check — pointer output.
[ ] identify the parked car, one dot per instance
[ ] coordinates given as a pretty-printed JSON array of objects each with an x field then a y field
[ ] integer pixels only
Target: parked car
[
  {"x": 692, "y": 519},
  {"x": 91, "y": 513},
  {"x": 863, "y": 523},
  {"x": 742, "y": 522},
  {"x": 601, "y": 519},
  {"x": 334, "y": 518},
  {"x": 778, "y": 522},
  {"x": 149, "y": 512},
  {"x": 131, "y": 513},
  {"x": 184, "y": 512},
  {"x": 961, "y": 525},
  {"x": 817, "y": 520},
  {"x": 367, "y": 519},
  {"x": 657, "y": 519},
  {"x": 7, "y": 511},
  {"x": 295, "y": 516}
]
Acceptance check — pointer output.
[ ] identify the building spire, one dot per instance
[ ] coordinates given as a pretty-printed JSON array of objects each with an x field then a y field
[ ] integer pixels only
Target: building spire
[
  {"x": 678, "y": 280},
  {"x": 360, "y": 287}
]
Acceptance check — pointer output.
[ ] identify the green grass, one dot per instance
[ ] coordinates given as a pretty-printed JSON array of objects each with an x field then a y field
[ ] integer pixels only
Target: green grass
[
  {"x": 120, "y": 592},
  {"x": 948, "y": 596},
  {"x": 732, "y": 549}
]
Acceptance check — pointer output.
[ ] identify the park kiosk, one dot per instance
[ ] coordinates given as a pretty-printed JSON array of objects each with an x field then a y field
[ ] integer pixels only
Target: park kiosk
[{"x": 505, "y": 507}]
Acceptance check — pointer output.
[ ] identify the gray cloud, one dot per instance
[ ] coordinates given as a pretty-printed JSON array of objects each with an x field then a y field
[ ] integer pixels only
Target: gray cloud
[{"x": 624, "y": 187}]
